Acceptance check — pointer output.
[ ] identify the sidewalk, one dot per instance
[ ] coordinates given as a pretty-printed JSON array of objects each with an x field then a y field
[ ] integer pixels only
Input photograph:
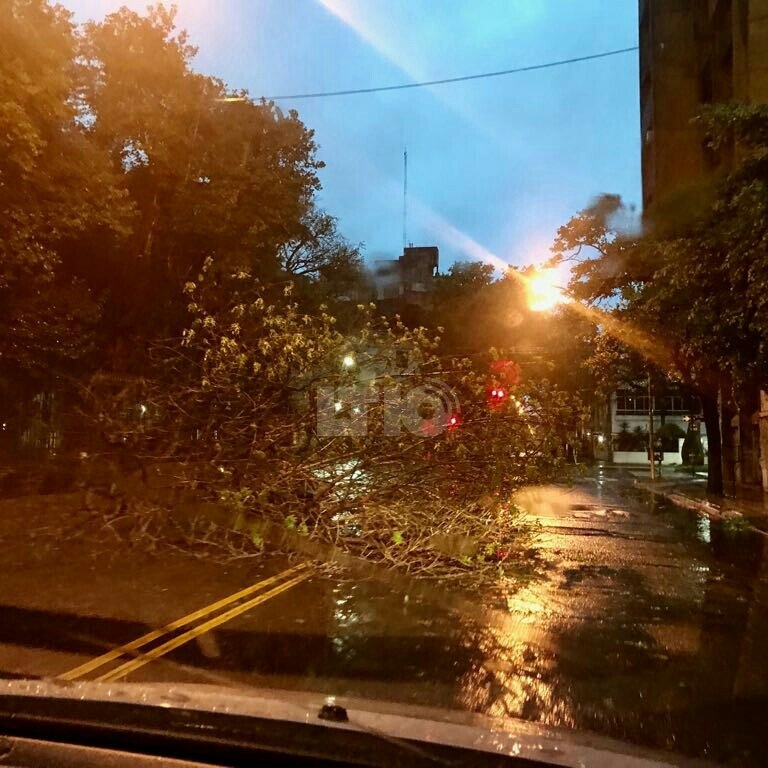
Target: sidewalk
[{"x": 750, "y": 504}]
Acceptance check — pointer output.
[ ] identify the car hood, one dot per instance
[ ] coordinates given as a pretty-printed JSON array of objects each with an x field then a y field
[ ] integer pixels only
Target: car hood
[{"x": 450, "y": 728}]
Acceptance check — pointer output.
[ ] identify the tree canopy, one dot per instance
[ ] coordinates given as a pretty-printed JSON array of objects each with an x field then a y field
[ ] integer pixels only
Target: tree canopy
[
  {"x": 56, "y": 189},
  {"x": 122, "y": 171}
]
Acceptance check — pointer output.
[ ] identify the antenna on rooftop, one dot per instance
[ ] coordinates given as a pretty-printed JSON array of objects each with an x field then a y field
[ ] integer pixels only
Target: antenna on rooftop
[{"x": 405, "y": 199}]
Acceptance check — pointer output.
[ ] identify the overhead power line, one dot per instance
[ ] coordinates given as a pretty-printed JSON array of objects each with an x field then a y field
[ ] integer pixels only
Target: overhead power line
[{"x": 447, "y": 80}]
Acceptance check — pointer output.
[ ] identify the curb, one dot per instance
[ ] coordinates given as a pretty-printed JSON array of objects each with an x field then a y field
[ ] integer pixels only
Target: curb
[{"x": 700, "y": 506}]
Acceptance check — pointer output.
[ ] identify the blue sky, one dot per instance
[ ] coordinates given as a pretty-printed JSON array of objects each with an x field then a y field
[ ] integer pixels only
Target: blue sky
[{"x": 496, "y": 165}]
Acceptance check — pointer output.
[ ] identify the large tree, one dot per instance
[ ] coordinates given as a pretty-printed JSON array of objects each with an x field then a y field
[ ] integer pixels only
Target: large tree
[
  {"x": 122, "y": 173},
  {"x": 477, "y": 310},
  {"x": 687, "y": 299},
  {"x": 211, "y": 172},
  {"x": 613, "y": 273},
  {"x": 372, "y": 443},
  {"x": 326, "y": 269},
  {"x": 56, "y": 189}
]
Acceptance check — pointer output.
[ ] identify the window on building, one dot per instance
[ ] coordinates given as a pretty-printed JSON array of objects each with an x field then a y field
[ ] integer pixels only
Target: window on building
[
  {"x": 673, "y": 404},
  {"x": 628, "y": 404}
]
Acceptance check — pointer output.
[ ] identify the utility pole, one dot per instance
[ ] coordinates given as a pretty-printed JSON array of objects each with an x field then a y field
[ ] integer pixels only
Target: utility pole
[{"x": 651, "y": 441}]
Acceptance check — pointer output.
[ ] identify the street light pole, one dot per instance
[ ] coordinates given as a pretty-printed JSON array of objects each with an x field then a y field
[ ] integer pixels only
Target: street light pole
[
  {"x": 544, "y": 295},
  {"x": 651, "y": 441}
]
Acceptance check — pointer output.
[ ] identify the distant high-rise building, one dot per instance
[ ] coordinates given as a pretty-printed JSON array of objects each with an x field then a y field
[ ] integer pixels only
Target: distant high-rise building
[{"x": 692, "y": 53}]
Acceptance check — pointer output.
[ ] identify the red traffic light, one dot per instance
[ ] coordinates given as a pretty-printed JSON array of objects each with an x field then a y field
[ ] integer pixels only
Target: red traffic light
[{"x": 497, "y": 396}]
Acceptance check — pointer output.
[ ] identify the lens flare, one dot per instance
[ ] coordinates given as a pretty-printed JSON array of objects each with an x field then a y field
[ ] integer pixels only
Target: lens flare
[{"x": 544, "y": 294}]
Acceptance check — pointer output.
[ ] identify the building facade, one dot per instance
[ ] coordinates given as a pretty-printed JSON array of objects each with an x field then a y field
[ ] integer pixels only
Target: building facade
[
  {"x": 674, "y": 414},
  {"x": 410, "y": 279},
  {"x": 621, "y": 425},
  {"x": 693, "y": 53}
]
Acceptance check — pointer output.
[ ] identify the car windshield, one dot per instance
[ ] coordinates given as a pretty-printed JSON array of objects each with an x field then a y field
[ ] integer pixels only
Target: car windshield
[{"x": 396, "y": 350}]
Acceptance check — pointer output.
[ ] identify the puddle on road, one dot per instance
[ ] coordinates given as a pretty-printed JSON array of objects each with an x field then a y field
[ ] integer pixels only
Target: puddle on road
[{"x": 660, "y": 640}]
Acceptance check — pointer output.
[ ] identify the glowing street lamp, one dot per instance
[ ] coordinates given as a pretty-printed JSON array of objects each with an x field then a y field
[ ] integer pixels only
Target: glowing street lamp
[{"x": 544, "y": 294}]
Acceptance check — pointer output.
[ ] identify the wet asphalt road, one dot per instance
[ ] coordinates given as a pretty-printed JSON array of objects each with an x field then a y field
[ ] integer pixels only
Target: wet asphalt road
[{"x": 640, "y": 621}]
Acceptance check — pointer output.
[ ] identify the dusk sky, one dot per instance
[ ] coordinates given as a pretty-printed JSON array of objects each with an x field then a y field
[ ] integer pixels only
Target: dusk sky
[{"x": 495, "y": 165}]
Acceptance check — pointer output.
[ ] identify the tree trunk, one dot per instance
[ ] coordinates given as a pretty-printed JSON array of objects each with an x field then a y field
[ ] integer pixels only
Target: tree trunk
[{"x": 714, "y": 439}]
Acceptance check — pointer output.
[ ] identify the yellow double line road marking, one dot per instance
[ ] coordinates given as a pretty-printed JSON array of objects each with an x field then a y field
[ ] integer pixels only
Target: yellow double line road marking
[
  {"x": 134, "y": 646},
  {"x": 161, "y": 650}
]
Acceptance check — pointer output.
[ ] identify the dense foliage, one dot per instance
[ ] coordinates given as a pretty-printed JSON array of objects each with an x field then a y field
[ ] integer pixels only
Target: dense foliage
[
  {"x": 122, "y": 171},
  {"x": 369, "y": 441},
  {"x": 166, "y": 273}
]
